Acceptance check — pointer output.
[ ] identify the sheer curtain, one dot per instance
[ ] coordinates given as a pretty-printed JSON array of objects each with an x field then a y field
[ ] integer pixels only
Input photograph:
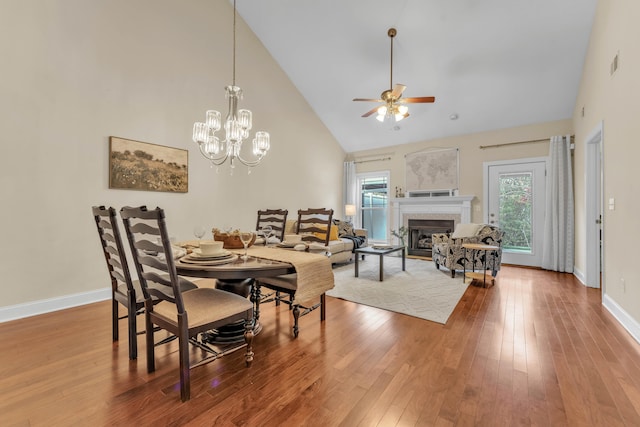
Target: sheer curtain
[
  {"x": 558, "y": 247},
  {"x": 349, "y": 184}
]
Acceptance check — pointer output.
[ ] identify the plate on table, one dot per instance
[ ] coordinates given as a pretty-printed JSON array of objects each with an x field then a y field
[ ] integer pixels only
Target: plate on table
[
  {"x": 197, "y": 254},
  {"x": 195, "y": 261},
  {"x": 288, "y": 245}
]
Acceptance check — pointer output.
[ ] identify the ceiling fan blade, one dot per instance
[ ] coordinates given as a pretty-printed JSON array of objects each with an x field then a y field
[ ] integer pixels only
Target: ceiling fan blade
[
  {"x": 397, "y": 90},
  {"x": 370, "y": 112},
  {"x": 419, "y": 99},
  {"x": 368, "y": 99}
]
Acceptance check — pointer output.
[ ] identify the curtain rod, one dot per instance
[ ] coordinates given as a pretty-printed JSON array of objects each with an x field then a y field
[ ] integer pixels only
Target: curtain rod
[
  {"x": 482, "y": 147},
  {"x": 381, "y": 159}
]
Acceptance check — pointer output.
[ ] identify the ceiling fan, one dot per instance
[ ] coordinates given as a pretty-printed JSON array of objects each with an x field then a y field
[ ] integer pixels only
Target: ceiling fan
[{"x": 393, "y": 102}]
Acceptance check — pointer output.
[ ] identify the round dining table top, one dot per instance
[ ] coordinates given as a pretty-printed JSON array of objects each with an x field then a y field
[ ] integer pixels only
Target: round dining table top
[{"x": 238, "y": 269}]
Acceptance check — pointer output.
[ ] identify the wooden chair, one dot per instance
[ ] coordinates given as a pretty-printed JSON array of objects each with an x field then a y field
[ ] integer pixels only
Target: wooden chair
[
  {"x": 276, "y": 218},
  {"x": 314, "y": 225},
  {"x": 185, "y": 314},
  {"x": 123, "y": 290}
]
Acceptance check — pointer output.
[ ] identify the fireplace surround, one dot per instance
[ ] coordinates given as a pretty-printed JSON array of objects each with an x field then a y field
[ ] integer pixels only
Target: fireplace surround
[{"x": 450, "y": 208}]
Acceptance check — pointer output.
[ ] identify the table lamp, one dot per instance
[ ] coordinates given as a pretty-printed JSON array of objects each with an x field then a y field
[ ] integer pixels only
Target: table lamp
[{"x": 350, "y": 211}]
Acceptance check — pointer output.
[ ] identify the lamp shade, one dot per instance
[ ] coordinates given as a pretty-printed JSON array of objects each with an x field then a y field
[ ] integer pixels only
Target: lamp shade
[{"x": 349, "y": 210}]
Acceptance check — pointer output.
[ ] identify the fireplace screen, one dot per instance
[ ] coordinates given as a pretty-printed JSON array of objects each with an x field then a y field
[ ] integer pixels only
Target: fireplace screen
[{"x": 420, "y": 231}]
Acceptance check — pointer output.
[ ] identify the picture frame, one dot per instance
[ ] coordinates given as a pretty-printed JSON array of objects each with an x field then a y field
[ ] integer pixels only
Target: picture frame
[
  {"x": 432, "y": 170},
  {"x": 137, "y": 165}
]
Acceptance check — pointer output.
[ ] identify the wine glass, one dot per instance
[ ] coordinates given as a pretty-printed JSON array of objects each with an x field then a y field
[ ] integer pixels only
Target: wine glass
[
  {"x": 266, "y": 232},
  {"x": 199, "y": 231},
  {"x": 245, "y": 238}
]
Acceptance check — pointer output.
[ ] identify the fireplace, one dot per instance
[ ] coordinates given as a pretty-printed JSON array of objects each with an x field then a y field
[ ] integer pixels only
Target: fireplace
[{"x": 420, "y": 231}]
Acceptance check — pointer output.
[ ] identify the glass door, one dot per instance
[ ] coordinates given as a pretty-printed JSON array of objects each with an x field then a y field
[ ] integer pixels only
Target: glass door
[{"x": 516, "y": 200}]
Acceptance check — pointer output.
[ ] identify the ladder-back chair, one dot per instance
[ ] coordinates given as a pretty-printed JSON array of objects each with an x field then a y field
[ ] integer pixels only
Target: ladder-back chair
[
  {"x": 185, "y": 314},
  {"x": 124, "y": 290}
]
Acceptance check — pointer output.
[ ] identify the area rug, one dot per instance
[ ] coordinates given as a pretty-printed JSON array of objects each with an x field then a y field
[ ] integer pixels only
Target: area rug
[{"x": 420, "y": 291}]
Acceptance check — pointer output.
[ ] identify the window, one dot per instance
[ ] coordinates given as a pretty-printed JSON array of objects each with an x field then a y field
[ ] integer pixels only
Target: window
[{"x": 373, "y": 204}]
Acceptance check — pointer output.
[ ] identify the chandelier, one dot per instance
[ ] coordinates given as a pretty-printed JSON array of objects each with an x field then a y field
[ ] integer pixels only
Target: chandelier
[{"x": 236, "y": 125}]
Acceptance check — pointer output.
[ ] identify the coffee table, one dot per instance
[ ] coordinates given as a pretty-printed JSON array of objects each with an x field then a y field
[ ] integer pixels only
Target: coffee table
[{"x": 381, "y": 251}]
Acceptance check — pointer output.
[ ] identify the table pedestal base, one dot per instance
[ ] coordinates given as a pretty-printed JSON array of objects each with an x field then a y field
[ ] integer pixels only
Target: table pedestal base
[{"x": 233, "y": 332}]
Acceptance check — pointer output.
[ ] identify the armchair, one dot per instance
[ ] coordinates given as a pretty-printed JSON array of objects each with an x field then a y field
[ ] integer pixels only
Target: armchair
[{"x": 447, "y": 248}]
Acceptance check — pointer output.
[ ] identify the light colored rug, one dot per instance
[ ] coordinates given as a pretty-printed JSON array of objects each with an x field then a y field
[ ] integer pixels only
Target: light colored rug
[{"x": 420, "y": 291}]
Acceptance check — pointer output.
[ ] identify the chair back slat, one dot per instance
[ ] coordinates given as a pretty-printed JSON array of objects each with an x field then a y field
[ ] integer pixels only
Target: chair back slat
[
  {"x": 103, "y": 223},
  {"x": 119, "y": 276},
  {"x": 154, "y": 261},
  {"x": 145, "y": 228}
]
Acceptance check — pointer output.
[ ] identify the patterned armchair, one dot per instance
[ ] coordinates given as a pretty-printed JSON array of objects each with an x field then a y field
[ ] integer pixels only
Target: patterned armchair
[{"x": 447, "y": 250}]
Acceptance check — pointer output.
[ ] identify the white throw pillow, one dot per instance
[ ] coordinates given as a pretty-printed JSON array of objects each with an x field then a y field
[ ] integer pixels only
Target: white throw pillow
[{"x": 466, "y": 230}]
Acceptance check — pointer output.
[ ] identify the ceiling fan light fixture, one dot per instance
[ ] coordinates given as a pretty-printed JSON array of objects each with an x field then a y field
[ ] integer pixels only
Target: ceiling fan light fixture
[{"x": 393, "y": 107}]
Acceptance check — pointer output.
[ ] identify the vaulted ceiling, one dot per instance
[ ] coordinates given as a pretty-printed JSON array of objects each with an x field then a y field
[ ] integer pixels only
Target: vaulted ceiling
[{"x": 494, "y": 63}]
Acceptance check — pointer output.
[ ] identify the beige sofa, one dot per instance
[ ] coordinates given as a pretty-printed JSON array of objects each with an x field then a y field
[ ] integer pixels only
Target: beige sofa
[{"x": 341, "y": 250}]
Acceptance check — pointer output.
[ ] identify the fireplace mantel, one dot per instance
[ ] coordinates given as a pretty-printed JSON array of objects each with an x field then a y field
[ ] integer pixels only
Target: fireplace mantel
[{"x": 405, "y": 207}]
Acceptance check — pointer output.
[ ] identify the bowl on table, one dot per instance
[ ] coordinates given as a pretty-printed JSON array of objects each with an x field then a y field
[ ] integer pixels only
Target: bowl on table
[{"x": 232, "y": 241}]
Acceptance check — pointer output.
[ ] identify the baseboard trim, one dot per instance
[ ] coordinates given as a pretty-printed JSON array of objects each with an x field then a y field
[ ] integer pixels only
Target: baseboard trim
[
  {"x": 579, "y": 275},
  {"x": 627, "y": 322},
  {"x": 34, "y": 308}
]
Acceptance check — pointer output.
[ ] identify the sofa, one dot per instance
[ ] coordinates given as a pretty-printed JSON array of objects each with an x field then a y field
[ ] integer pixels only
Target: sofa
[
  {"x": 447, "y": 248},
  {"x": 341, "y": 248}
]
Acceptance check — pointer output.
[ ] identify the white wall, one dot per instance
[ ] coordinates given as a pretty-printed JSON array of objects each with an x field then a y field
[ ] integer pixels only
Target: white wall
[
  {"x": 613, "y": 100},
  {"x": 75, "y": 72}
]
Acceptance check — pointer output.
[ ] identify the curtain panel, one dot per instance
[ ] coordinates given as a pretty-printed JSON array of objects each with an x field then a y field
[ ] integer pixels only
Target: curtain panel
[{"x": 558, "y": 246}]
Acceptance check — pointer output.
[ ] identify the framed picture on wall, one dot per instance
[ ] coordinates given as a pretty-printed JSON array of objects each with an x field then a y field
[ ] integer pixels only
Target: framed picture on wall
[
  {"x": 135, "y": 165},
  {"x": 432, "y": 170}
]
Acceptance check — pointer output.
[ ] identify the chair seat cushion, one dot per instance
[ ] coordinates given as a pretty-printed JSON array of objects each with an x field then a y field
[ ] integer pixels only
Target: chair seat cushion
[
  {"x": 287, "y": 281},
  {"x": 204, "y": 305}
]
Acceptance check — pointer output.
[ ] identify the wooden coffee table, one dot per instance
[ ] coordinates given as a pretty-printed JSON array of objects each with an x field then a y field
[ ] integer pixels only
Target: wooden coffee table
[{"x": 381, "y": 251}]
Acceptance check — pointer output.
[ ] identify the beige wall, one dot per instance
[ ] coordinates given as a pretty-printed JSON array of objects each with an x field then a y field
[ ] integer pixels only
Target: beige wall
[
  {"x": 75, "y": 72},
  {"x": 613, "y": 100},
  {"x": 471, "y": 156}
]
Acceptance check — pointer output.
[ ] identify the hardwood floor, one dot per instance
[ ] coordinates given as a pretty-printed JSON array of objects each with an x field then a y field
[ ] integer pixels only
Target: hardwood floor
[{"x": 535, "y": 349}]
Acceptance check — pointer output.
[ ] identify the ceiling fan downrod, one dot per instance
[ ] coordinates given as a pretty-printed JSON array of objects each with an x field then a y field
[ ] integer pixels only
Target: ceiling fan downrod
[{"x": 391, "y": 33}]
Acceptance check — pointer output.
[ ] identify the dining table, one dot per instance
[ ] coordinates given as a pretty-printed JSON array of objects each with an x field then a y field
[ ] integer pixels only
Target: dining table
[{"x": 238, "y": 275}]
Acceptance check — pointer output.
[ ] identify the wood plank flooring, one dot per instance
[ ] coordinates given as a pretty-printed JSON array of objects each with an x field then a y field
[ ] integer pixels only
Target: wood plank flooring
[{"x": 537, "y": 349}]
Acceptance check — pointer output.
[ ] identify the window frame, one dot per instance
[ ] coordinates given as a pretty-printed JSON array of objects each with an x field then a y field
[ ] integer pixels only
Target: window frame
[{"x": 386, "y": 174}]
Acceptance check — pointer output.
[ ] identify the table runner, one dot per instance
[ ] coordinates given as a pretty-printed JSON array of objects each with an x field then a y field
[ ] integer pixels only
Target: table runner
[{"x": 315, "y": 275}]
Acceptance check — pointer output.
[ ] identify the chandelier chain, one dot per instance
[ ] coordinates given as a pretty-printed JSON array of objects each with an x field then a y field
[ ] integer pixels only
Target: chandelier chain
[{"x": 234, "y": 42}]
